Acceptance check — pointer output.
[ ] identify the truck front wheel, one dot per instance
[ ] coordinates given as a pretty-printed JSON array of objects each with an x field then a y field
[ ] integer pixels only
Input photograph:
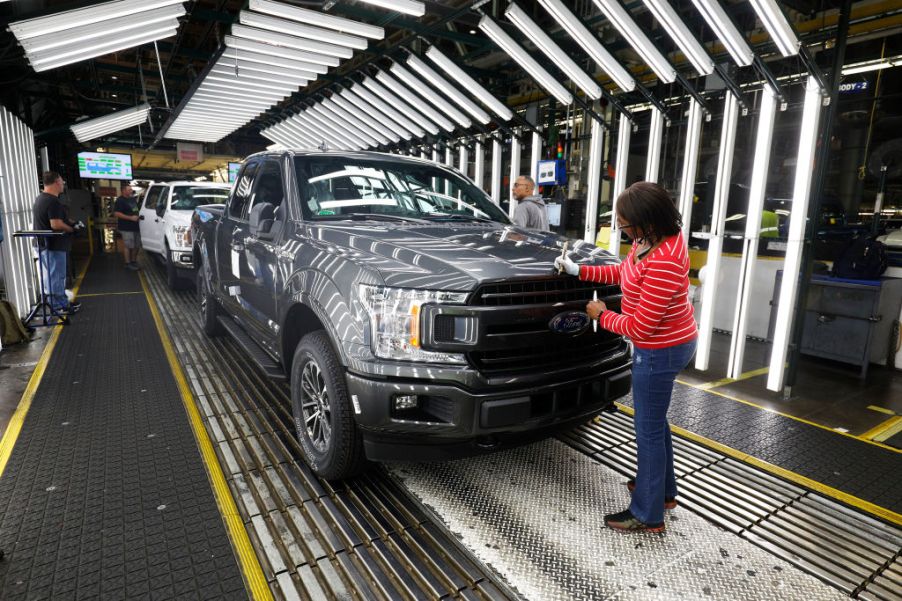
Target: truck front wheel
[
  {"x": 322, "y": 410},
  {"x": 209, "y": 308}
]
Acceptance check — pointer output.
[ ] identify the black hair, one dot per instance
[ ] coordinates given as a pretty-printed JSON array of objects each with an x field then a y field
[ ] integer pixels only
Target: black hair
[
  {"x": 648, "y": 207},
  {"x": 49, "y": 178}
]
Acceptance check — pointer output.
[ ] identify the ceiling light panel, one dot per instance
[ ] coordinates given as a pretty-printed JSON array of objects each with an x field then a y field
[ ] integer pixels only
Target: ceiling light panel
[
  {"x": 474, "y": 87},
  {"x": 83, "y": 17},
  {"x": 518, "y": 17},
  {"x": 300, "y": 30},
  {"x": 256, "y": 58},
  {"x": 347, "y": 139},
  {"x": 390, "y": 112},
  {"x": 253, "y": 76},
  {"x": 408, "y": 111},
  {"x": 242, "y": 67},
  {"x": 412, "y": 99},
  {"x": 328, "y": 118},
  {"x": 295, "y": 43},
  {"x": 52, "y": 59},
  {"x": 726, "y": 32},
  {"x": 319, "y": 19},
  {"x": 342, "y": 115},
  {"x": 346, "y": 106},
  {"x": 291, "y": 54},
  {"x": 370, "y": 111},
  {"x": 622, "y": 21},
  {"x": 677, "y": 30},
  {"x": 528, "y": 63},
  {"x": 423, "y": 89},
  {"x": 408, "y": 7},
  {"x": 590, "y": 44},
  {"x": 447, "y": 89},
  {"x": 95, "y": 128},
  {"x": 777, "y": 26}
]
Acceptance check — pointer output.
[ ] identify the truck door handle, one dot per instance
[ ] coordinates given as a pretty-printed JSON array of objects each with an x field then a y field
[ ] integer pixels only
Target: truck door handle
[{"x": 156, "y": 220}]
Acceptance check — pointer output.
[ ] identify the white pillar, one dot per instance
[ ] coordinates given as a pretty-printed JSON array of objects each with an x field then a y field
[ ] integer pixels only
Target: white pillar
[
  {"x": 435, "y": 154},
  {"x": 464, "y": 158},
  {"x": 479, "y": 166},
  {"x": 797, "y": 218},
  {"x": 515, "y": 172},
  {"x": 624, "y": 131},
  {"x": 715, "y": 240},
  {"x": 496, "y": 171},
  {"x": 690, "y": 165},
  {"x": 535, "y": 155},
  {"x": 752, "y": 230},
  {"x": 655, "y": 135},
  {"x": 449, "y": 158},
  {"x": 593, "y": 188}
]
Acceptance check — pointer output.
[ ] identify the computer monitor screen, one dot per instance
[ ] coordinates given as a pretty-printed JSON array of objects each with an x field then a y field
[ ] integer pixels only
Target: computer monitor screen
[
  {"x": 105, "y": 165},
  {"x": 233, "y": 171}
]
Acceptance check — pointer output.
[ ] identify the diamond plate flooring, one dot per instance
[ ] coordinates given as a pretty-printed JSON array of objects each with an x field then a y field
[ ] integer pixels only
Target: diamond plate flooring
[
  {"x": 551, "y": 542},
  {"x": 105, "y": 495},
  {"x": 852, "y": 466}
]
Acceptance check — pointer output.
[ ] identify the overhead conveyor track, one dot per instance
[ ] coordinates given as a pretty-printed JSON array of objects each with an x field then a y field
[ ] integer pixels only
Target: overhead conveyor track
[{"x": 366, "y": 538}]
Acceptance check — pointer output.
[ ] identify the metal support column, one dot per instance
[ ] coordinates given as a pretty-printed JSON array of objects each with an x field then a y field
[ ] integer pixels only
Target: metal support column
[
  {"x": 655, "y": 135},
  {"x": 593, "y": 189},
  {"x": 479, "y": 165},
  {"x": 515, "y": 173},
  {"x": 534, "y": 156},
  {"x": 496, "y": 171},
  {"x": 624, "y": 132},
  {"x": 464, "y": 157},
  {"x": 690, "y": 164}
]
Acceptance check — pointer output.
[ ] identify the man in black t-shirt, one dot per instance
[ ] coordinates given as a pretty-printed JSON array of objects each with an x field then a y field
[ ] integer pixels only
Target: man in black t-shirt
[
  {"x": 49, "y": 214},
  {"x": 126, "y": 211}
]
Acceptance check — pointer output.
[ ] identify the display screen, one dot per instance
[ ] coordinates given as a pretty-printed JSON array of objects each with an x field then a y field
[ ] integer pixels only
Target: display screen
[
  {"x": 233, "y": 171},
  {"x": 104, "y": 165}
]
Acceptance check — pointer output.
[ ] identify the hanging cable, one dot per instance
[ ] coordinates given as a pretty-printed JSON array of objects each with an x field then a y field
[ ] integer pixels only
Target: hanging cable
[{"x": 862, "y": 169}]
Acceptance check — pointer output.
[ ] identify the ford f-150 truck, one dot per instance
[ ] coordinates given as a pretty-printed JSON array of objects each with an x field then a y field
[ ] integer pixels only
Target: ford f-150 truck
[{"x": 410, "y": 318}]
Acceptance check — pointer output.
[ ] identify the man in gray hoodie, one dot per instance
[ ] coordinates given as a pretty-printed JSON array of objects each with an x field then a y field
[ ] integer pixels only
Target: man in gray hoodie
[{"x": 530, "y": 212}]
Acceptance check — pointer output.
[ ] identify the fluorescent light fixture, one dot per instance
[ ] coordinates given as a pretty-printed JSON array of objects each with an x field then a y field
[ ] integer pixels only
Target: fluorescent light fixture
[
  {"x": 798, "y": 216},
  {"x": 496, "y": 171},
  {"x": 280, "y": 51},
  {"x": 690, "y": 164},
  {"x": 72, "y": 54},
  {"x": 726, "y": 32},
  {"x": 429, "y": 94},
  {"x": 302, "y": 31},
  {"x": 590, "y": 44},
  {"x": 210, "y": 99},
  {"x": 514, "y": 174},
  {"x": 394, "y": 115},
  {"x": 535, "y": 153},
  {"x": 777, "y": 26},
  {"x": 624, "y": 131},
  {"x": 464, "y": 160},
  {"x": 356, "y": 134},
  {"x": 232, "y": 82},
  {"x": 655, "y": 135},
  {"x": 245, "y": 56},
  {"x": 166, "y": 14},
  {"x": 338, "y": 138},
  {"x": 412, "y": 99},
  {"x": 249, "y": 93},
  {"x": 82, "y": 17},
  {"x": 621, "y": 20},
  {"x": 670, "y": 20},
  {"x": 290, "y": 41},
  {"x": 315, "y": 17},
  {"x": 593, "y": 187},
  {"x": 529, "y": 27},
  {"x": 479, "y": 164},
  {"x": 342, "y": 115},
  {"x": 344, "y": 104},
  {"x": 757, "y": 189},
  {"x": 447, "y": 88},
  {"x": 263, "y": 69},
  {"x": 320, "y": 132},
  {"x": 252, "y": 76},
  {"x": 292, "y": 130},
  {"x": 529, "y": 64},
  {"x": 337, "y": 131},
  {"x": 469, "y": 84},
  {"x": 408, "y": 7},
  {"x": 715, "y": 241},
  {"x": 874, "y": 65},
  {"x": 402, "y": 107}
]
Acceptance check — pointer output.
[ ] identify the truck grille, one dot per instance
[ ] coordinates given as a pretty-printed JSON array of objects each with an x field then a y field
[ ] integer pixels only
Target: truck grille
[{"x": 529, "y": 345}]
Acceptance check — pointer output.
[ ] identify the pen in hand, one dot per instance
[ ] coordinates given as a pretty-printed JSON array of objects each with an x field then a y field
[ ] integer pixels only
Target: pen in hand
[
  {"x": 563, "y": 256},
  {"x": 595, "y": 321}
]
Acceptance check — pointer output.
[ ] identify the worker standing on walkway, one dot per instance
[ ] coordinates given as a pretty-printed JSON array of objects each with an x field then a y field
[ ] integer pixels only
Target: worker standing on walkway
[
  {"x": 658, "y": 318},
  {"x": 126, "y": 211},
  {"x": 531, "y": 212},
  {"x": 48, "y": 213}
]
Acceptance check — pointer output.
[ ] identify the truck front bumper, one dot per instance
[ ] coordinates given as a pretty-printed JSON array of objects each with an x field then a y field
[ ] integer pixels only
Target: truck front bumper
[
  {"x": 405, "y": 420},
  {"x": 181, "y": 258}
]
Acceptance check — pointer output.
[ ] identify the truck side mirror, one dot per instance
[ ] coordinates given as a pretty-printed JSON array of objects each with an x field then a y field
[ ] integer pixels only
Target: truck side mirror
[{"x": 261, "y": 220}]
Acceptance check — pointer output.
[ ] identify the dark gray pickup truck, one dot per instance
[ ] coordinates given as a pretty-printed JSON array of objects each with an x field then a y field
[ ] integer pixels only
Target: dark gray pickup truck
[{"x": 411, "y": 319}]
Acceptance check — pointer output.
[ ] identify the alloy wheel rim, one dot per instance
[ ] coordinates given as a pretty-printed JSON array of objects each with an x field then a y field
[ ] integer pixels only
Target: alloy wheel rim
[{"x": 316, "y": 409}]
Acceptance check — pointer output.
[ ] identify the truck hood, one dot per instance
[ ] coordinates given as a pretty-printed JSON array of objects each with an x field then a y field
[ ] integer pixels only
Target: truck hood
[
  {"x": 457, "y": 256},
  {"x": 178, "y": 218}
]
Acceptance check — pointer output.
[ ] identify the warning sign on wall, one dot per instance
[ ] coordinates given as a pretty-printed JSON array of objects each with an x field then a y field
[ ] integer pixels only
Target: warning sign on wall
[{"x": 189, "y": 152}]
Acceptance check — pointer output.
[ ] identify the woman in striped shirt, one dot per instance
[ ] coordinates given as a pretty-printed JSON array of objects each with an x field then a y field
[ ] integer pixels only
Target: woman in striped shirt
[{"x": 657, "y": 317}]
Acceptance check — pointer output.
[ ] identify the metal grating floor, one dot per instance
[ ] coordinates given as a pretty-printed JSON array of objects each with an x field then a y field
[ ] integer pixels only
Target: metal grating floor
[{"x": 364, "y": 539}]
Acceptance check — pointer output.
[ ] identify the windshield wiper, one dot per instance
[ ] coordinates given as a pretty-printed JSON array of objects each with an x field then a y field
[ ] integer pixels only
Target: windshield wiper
[
  {"x": 369, "y": 217},
  {"x": 458, "y": 217}
]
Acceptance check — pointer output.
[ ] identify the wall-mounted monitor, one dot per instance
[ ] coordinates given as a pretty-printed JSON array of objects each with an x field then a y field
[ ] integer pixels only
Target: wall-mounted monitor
[
  {"x": 105, "y": 165},
  {"x": 233, "y": 171}
]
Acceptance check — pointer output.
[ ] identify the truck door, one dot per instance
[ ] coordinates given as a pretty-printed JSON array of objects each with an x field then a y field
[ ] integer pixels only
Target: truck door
[
  {"x": 231, "y": 235},
  {"x": 261, "y": 281},
  {"x": 151, "y": 224}
]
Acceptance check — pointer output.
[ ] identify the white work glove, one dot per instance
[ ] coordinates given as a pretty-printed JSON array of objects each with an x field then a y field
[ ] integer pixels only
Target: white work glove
[{"x": 565, "y": 264}]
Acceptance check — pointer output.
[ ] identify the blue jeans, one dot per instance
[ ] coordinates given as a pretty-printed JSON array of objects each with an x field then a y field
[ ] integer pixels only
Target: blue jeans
[
  {"x": 54, "y": 264},
  {"x": 654, "y": 371}
]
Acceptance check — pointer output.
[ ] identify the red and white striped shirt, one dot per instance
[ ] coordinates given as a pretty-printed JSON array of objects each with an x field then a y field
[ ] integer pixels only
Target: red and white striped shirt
[{"x": 656, "y": 312}]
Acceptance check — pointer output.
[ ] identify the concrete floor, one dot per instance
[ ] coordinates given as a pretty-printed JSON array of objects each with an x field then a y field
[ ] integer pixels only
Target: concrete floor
[{"x": 16, "y": 366}]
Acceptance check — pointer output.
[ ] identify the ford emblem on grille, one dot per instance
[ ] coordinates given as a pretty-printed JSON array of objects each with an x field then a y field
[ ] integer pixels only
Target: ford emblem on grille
[{"x": 571, "y": 322}]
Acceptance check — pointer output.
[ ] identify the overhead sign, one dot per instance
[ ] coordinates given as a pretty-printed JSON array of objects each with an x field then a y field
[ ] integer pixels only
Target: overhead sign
[
  {"x": 853, "y": 87},
  {"x": 189, "y": 152}
]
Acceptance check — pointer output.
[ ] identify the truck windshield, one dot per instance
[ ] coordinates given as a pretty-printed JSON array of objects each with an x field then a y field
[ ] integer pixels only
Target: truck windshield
[
  {"x": 341, "y": 187},
  {"x": 188, "y": 198}
]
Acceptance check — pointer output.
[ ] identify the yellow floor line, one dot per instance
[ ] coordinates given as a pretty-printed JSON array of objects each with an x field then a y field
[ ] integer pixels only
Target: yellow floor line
[
  {"x": 792, "y": 417},
  {"x": 828, "y": 491},
  {"x": 724, "y": 381},
  {"x": 247, "y": 558},
  {"x": 881, "y": 410},
  {"x": 14, "y": 428},
  {"x": 109, "y": 294},
  {"x": 884, "y": 431}
]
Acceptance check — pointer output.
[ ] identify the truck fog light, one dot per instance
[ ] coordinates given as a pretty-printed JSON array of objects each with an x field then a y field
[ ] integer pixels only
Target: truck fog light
[{"x": 405, "y": 401}]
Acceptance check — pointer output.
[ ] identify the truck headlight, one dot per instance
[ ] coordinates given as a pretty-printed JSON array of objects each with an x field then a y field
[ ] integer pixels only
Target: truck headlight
[
  {"x": 181, "y": 236},
  {"x": 395, "y": 321}
]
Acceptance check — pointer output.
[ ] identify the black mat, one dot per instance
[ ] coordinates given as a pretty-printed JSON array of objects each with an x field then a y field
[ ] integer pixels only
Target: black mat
[
  {"x": 105, "y": 495},
  {"x": 852, "y": 466},
  {"x": 107, "y": 274}
]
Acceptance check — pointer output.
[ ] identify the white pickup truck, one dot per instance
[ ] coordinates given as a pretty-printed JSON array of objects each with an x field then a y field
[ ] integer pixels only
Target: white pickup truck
[{"x": 165, "y": 223}]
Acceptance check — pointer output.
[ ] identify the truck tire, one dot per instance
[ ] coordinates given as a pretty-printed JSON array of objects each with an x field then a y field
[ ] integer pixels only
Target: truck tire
[
  {"x": 322, "y": 410},
  {"x": 209, "y": 308}
]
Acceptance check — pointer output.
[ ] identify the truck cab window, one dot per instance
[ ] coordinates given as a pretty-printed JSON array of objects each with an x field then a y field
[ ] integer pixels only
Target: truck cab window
[
  {"x": 238, "y": 205},
  {"x": 268, "y": 187}
]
